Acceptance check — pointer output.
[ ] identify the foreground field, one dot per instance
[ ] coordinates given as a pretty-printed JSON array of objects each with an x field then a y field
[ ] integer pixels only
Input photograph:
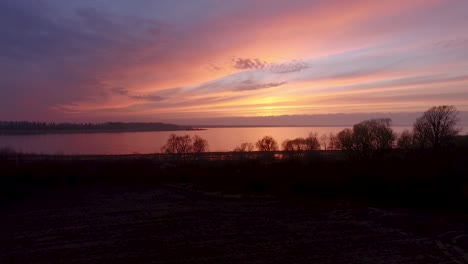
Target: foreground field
[
  {"x": 405, "y": 208},
  {"x": 175, "y": 223}
]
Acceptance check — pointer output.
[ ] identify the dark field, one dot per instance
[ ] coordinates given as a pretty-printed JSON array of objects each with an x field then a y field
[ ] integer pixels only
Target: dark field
[{"x": 315, "y": 210}]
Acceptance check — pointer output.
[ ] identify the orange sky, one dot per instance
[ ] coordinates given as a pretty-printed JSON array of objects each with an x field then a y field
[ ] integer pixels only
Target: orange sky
[{"x": 142, "y": 60}]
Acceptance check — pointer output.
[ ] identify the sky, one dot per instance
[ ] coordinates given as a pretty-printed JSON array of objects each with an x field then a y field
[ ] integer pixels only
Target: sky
[{"x": 189, "y": 60}]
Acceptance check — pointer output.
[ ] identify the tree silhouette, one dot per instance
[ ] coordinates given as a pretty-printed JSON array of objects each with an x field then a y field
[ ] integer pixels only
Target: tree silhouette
[
  {"x": 184, "y": 145},
  {"x": 171, "y": 145},
  {"x": 406, "y": 141},
  {"x": 267, "y": 143},
  {"x": 199, "y": 144},
  {"x": 312, "y": 142},
  {"x": 374, "y": 135},
  {"x": 344, "y": 140},
  {"x": 245, "y": 147},
  {"x": 437, "y": 125},
  {"x": 324, "y": 141},
  {"x": 333, "y": 143},
  {"x": 298, "y": 144},
  {"x": 367, "y": 139},
  {"x": 178, "y": 145},
  {"x": 302, "y": 144},
  {"x": 294, "y": 148}
]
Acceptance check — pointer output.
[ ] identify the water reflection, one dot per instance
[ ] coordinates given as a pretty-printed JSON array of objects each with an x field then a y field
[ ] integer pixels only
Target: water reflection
[{"x": 219, "y": 139}]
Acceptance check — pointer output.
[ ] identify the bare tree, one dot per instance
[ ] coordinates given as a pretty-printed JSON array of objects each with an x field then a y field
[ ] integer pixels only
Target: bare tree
[
  {"x": 367, "y": 138},
  {"x": 344, "y": 140},
  {"x": 245, "y": 147},
  {"x": 437, "y": 125},
  {"x": 324, "y": 141},
  {"x": 312, "y": 142},
  {"x": 382, "y": 133},
  {"x": 333, "y": 142},
  {"x": 287, "y": 145},
  {"x": 267, "y": 143},
  {"x": 185, "y": 145},
  {"x": 178, "y": 145},
  {"x": 294, "y": 148},
  {"x": 373, "y": 135},
  {"x": 406, "y": 141},
  {"x": 171, "y": 145},
  {"x": 297, "y": 144},
  {"x": 199, "y": 144}
]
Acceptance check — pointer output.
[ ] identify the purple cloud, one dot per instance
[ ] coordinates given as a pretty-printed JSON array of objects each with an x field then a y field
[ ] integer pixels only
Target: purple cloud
[
  {"x": 147, "y": 97},
  {"x": 247, "y": 64},
  {"x": 249, "y": 86},
  {"x": 257, "y": 64}
]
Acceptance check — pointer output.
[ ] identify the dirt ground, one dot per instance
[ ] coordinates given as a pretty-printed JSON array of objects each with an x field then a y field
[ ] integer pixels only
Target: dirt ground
[{"x": 177, "y": 224}]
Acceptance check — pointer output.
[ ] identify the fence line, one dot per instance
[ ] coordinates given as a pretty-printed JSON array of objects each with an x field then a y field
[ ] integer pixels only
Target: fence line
[{"x": 206, "y": 156}]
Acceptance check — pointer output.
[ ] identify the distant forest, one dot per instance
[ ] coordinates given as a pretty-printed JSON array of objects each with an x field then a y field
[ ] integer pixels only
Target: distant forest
[{"x": 23, "y": 127}]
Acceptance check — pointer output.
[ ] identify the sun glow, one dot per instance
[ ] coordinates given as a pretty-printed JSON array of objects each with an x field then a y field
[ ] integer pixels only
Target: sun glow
[{"x": 248, "y": 58}]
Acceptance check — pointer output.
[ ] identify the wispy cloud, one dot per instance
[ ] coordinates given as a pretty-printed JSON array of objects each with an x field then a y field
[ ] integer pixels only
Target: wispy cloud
[
  {"x": 452, "y": 43},
  {"x": 220, "y": 58},
  {"x": 248, "y": 86},
  {"x": 247, "y": 64},
  {"x": 294, "y": 66},
  {"x": 257, "y": 64},
  {"x": 147, "y": 97},
  {"x": 120, "y": 91}
]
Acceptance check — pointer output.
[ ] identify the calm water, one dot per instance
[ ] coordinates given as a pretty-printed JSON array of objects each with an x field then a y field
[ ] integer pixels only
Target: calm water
[{"x": 219, "y": 139}]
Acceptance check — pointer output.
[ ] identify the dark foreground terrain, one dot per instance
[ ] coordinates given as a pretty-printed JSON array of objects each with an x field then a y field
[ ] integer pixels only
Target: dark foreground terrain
[
  {"x": 141, "y": 210},
  {"x": 176, "y": 224}
]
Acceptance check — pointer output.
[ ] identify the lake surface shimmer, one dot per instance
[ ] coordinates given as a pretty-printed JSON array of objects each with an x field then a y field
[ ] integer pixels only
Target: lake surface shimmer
[{"x": 219, "y": 139}]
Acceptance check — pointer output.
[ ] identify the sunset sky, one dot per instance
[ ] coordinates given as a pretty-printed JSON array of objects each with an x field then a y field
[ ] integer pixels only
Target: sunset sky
[{"x": 148, "y": 60}]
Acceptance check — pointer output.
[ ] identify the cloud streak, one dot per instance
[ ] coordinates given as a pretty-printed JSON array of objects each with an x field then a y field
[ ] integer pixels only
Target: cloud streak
[
  {"x": 62, "y": 61},
  {"x": 147, "y": 97},
  {"x": 249, "y": 86},
  {"x": 257, "y": 64}
]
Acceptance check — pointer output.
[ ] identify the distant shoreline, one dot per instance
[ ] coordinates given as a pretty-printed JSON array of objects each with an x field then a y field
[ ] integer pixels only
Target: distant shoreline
[
  {"x": 253, "y": 126},
  {"x": 24, "y": 133},
  {"x": 38, "y": 128}
]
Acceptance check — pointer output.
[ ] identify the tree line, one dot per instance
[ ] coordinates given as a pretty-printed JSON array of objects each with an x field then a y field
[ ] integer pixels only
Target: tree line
[{"x": 435, "y": 129}]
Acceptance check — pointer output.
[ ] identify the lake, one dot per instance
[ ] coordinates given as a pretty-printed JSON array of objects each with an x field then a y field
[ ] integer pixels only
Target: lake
[{"x": 219, "y": 139}]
